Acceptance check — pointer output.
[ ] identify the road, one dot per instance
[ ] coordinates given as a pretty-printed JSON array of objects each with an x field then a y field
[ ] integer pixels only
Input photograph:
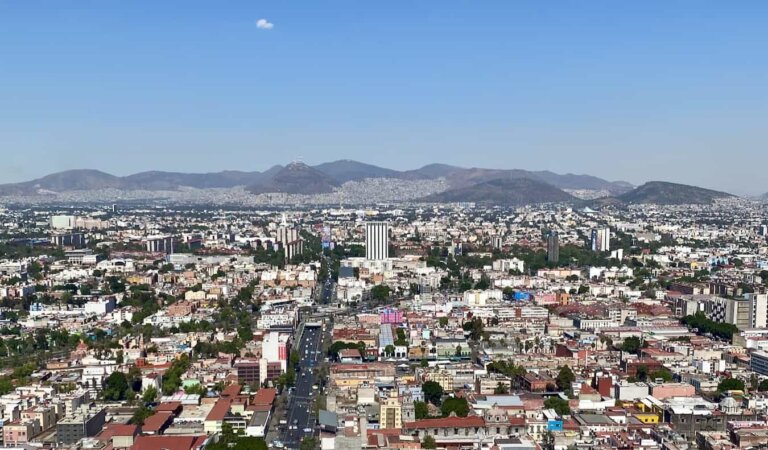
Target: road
[{"x": 300, "y": 413}]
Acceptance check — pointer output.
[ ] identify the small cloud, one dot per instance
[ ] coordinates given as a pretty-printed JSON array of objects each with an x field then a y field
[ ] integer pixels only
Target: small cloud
[{"x": 264, "y": 24}]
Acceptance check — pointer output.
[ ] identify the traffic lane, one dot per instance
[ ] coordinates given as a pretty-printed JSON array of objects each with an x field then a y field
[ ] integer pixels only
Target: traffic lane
[{"x": 301, "y": 402}]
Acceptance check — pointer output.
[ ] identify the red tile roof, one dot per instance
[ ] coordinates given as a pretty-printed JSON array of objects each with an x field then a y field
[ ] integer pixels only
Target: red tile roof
[
  {"x": 265, "y": 397},
  {"x": 156, "y": 422},
  {"x": 219, "y": 410},
  {"x": 231, "y": 390},
  {"x": 168, "y": 407}
]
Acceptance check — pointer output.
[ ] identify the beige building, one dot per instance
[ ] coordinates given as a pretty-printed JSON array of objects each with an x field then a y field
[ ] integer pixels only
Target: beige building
[{"x": 390, "y": 413}]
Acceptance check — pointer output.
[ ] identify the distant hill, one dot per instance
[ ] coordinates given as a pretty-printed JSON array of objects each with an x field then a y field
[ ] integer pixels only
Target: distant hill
[
  {"x": 348, "y": 170},
  {"x": 504, "y": 192},
  {"x": 173, "y": 180},
  {"x": 300, "y": 179},
  {"x": 430, "y": 172},
  {"x": 296, "y": 178},
  {"x": 70, "y": 180},
  {"x": 664, "y": 193}
]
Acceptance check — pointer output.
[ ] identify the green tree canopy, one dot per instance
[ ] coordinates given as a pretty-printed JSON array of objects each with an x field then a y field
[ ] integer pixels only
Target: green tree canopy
[
  {"x": 730, "y": 384},
  {"x": 560, "y": 406},
  {"x": 433, "y": 392},
  {"x": 421, "y": 410},
  {"x": 115, "y": 387},
  {"x": 565, "y": 378},
  {"x": 456, "y": 405}
]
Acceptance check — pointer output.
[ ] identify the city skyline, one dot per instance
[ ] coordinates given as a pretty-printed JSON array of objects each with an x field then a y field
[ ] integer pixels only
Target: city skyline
[{"x": 624, "y": 92}]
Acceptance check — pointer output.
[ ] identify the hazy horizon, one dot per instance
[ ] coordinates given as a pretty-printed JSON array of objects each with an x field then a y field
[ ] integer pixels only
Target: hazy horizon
[{"x": 631, "y": 92}]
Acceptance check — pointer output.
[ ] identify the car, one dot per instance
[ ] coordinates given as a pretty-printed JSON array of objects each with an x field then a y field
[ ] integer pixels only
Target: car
[{"x": 307, "y": 430}]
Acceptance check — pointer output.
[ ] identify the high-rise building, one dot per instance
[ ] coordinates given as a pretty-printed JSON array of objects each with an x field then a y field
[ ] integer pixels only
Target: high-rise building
[
  {"x": 290, "y": 239},
  {"x": 553, "y": 247},
  {"x": 601, "y": 239},
  {"x": 376, "y": 241},
  {"x": 159, "y": 244}
]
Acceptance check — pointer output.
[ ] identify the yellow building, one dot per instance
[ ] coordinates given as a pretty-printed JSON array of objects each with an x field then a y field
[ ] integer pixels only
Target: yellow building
[
  {"x": 650, "y": 418},
  {"x": 391, "y": 413},
  {"x": 443, "y": 378}
]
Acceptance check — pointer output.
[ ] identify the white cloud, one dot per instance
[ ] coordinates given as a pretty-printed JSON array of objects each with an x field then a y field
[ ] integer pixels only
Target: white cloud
[{"x": 264, "y": 24}]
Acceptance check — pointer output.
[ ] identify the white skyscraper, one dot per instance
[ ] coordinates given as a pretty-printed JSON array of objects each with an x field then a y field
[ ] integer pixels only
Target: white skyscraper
[
  {"x": 601, "y": 240},
  {"x": 376, "y": 241}
]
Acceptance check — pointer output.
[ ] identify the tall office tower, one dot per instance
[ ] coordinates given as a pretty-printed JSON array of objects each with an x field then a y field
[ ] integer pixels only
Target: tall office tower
[
  {"x": 376, "y": 241},
  {"x": 601, "y": 239},
  {"x": 159, "y": 244},
  {"x": 290, "y": 239},
  {"x": 553, "y": 247}
]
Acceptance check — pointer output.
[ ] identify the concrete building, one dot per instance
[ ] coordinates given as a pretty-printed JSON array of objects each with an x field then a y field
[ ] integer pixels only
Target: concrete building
[
  {"x": 390, "y": 413},
  {"x": 376, "y": 241},
  {"x": 601, "y": 239},
  {"x": 159, "y": 244},
  {"x": 759, "y": 362},
  {"x": 86, "y": 422},
  {"x": 553, "y": 247}
]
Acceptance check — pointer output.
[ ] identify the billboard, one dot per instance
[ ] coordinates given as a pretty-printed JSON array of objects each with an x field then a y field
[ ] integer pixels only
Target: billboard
[
  {"x": 325, "y": 237},
  {"x": 554, "y": 425}
]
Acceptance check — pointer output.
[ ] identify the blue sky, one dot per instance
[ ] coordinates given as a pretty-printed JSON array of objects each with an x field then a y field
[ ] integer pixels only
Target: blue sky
[{"x": 670, "y": 90}]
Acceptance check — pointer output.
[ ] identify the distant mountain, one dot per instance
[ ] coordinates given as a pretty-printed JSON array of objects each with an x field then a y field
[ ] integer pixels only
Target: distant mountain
[
  {"x": 173, "y": 180},
  {"x": 296, "y": 178},
  {"x": 664, "y": 193},
  {"x": 504, "y": 192},
  {"x": 573, "y": 181},
  {"x": 348, "y": 170},
  {"x": 70, "y": 180},
  {"x": 459, "y": 177},
  {"x": 301, "y": 178},
  {"x": 430, "y": 172}
]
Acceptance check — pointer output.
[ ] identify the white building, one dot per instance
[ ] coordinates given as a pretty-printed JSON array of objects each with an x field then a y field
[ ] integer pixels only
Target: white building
[
  {"x": 376, "y": 240},
  {"x": 601, "y": 239}
]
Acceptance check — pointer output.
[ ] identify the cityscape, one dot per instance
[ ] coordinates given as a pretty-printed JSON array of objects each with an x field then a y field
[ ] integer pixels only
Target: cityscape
[{"x": 306, "y": 225}]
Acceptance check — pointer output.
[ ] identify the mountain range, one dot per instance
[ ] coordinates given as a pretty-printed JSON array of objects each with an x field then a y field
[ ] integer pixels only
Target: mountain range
[{"x": 499, "y": 186}]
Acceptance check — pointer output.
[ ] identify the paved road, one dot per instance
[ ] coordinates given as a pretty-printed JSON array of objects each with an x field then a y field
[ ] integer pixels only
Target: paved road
[{"x": 300, "y": 410}]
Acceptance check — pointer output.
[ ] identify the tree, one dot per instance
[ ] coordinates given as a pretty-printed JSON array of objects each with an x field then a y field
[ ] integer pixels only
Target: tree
[
  {"x": 730, "y": 384},
  {"x": 560, "y": 405},
  {"x": 763, "y": 386},
  {"x": 380, "y": 292},
  {"x": 421, "y": 410},
  {"x": 501, "y": 389},
  {"x": 631, "y": 345},
  {"x": 250, "y": 443},
  {"x": 663, "y": 374},
  {"x": 150, "y": 395},
  {"x": 428, "y": 442},
  {"x": 389, "y": 350},
  {"x": 642, "y": 373},
  {"x": 475, "y": 328},
  {"x": 433, "y": 392},
  {"x": 443, "y": 321},
  {"x": 308, "y": 443},
  {"x": 141, "y": 415},
  {"x": 456, "y": 405},
  {"x": 564, "y": 379},
  {"x": 115, "y": 387}
]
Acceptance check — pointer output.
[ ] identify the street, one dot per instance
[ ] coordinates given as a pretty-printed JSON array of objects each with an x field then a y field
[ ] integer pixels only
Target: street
[{"x": 300, "y": 413}]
